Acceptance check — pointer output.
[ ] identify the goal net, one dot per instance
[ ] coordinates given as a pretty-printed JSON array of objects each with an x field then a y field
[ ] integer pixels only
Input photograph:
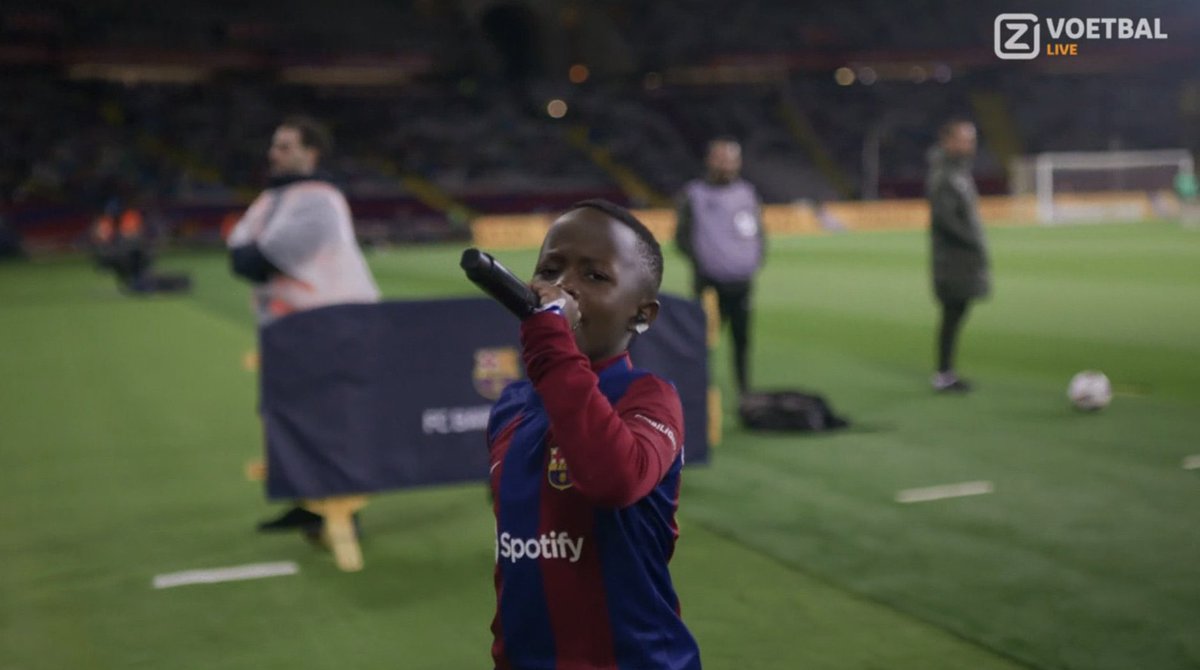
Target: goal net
[{"x": 1083, "y": 186}]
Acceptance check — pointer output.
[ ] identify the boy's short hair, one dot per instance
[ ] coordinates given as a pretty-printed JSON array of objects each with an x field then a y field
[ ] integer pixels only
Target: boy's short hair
[
  {"x": 313, "y": 133},
  {"x": 649, "y": 248}
]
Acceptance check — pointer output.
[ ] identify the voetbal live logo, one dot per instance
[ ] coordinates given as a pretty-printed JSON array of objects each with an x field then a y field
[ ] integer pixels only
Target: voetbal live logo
[{"x": 1019, "y": 36}]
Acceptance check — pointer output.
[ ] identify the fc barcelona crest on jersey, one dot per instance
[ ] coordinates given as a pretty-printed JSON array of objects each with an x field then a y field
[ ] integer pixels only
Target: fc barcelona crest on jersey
[
  {"x": 495, "y": 369},
  {"x": 556, "y": 471}
]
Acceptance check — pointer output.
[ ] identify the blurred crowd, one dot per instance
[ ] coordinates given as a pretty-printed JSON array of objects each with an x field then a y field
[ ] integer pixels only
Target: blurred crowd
[
  {"x": 483, "y": 134},
  {"x": 64, "y": 141}
]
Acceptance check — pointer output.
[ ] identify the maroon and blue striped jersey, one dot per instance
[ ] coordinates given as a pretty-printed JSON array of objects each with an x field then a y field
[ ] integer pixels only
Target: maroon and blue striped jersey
[{"x": 585, "y": 474}]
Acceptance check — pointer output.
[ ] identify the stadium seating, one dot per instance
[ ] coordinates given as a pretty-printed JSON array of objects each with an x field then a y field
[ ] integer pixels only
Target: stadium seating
[{"x": 486, "y": 143}]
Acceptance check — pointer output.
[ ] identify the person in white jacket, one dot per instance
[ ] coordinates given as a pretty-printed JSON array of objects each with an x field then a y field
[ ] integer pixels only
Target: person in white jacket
[
  {"x": 296, "y": 243},
  {"x": 296, "y": 247}
]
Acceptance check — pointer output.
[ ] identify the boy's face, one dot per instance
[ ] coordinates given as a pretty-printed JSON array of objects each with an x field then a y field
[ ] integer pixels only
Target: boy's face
[{"x": 596, "y": 261}]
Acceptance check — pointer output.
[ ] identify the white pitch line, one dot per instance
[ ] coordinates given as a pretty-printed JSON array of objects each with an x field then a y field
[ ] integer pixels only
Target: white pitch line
[
  {"x": 1191, "y": 462},
  {"x": 945, "y": 491},
  {"x": 231, "y": 574}
]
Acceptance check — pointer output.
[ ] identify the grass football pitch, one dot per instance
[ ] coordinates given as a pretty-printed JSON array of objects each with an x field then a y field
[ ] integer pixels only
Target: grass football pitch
[{"x": 125, "y": 424}]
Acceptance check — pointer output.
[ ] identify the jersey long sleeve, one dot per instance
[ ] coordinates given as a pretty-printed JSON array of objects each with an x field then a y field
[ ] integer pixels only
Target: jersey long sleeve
[{"x": 616, "y": 455}]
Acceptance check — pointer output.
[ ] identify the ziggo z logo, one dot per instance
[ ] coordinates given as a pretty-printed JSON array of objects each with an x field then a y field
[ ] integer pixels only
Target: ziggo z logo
[
  {"x": 1019, "y": 36},
  {"x": 552, "y": 545}
]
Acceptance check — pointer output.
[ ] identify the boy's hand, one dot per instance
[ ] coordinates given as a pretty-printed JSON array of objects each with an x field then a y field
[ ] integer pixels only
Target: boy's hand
[{"x": 550, "y": 293}]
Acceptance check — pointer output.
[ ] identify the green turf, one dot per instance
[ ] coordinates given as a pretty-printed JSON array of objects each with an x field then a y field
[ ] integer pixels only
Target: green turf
[{"x": 124, "y": 426}]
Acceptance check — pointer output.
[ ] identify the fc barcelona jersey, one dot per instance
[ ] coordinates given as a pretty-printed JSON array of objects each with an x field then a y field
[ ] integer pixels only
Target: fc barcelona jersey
[{"x": 585, "y": 475}]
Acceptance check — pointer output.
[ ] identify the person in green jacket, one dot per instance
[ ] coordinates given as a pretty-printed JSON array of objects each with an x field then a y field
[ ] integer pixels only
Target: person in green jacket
[{"x": 959, "y": 252}]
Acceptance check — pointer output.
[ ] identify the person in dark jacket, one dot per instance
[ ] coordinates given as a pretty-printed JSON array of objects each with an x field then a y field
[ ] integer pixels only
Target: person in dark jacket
[
  {"x": 719, "y": 229},
  {"x": 959, "y": 252},
  {"x": 122, "y": 241}
]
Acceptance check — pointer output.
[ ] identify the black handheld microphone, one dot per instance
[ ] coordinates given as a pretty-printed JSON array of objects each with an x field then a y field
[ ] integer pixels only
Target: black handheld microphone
[{"x": 499, "y": 282}]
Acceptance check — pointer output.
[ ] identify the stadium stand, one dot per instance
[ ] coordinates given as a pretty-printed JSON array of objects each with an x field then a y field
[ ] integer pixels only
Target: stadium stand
[{"x": 452, "y": 132}]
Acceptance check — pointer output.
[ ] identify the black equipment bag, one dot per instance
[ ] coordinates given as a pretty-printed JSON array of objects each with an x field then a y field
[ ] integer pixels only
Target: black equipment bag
[{"x": 788, "y": 411}]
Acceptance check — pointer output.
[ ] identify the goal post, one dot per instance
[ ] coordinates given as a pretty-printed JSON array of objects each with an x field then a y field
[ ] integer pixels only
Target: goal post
[{"x": 1100, "y": 185}]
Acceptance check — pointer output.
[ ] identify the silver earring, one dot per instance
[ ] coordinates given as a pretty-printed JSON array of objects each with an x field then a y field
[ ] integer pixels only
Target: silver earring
[{"x": 640, "y": 328}]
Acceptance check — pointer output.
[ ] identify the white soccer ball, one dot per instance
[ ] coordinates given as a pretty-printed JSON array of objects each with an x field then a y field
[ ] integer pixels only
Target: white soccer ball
[{"x": 1090, "y": 390}]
